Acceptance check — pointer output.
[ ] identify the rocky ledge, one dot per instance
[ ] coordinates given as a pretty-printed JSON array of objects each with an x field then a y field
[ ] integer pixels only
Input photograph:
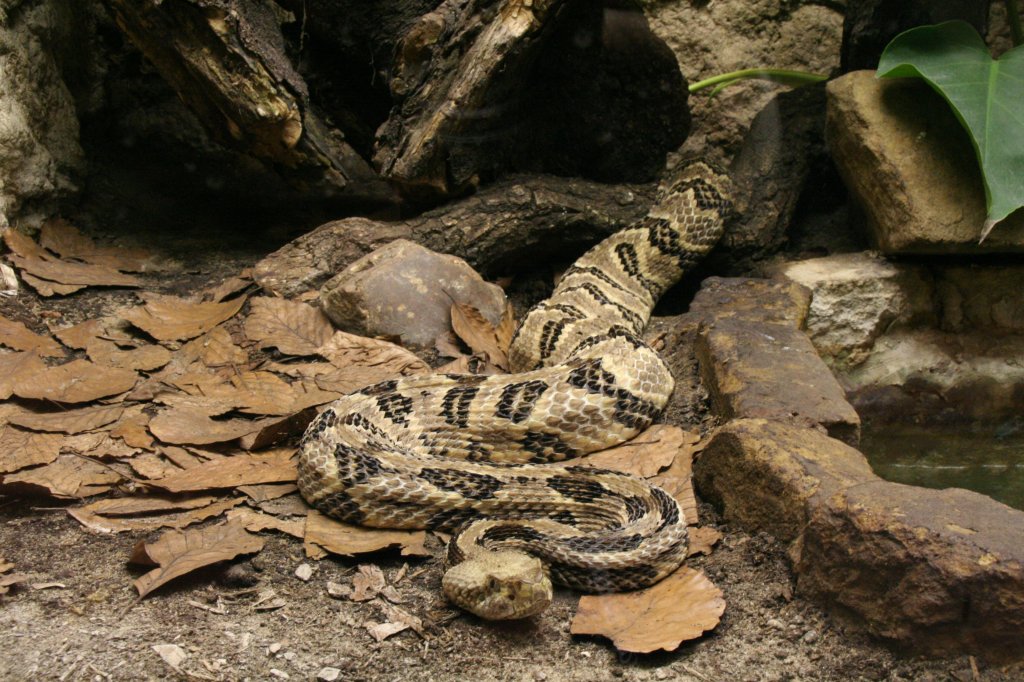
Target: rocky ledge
[{"x": 934, "y": 571}]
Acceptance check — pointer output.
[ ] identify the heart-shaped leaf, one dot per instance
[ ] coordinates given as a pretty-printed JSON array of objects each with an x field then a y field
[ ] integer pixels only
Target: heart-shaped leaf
[{"x": 987, "y": 96}]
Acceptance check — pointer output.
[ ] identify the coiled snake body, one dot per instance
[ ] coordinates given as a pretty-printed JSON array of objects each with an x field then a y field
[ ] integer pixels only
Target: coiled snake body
[{"x": 469, "y": 454}]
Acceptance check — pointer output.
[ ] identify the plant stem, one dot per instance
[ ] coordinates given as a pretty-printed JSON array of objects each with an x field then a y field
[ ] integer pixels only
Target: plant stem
[
  {"x": 1013, "y": 17},
  {"x": 795, "y": 78}
]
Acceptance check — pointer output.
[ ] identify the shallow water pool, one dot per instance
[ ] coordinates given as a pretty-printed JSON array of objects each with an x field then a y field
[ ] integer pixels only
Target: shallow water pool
[{"x": 988, "y": 461}]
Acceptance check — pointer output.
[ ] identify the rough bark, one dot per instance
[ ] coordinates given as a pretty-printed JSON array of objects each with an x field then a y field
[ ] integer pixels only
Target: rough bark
[
  {"x": 226, "y": 60},
  {"x": 513, "y": 219}
]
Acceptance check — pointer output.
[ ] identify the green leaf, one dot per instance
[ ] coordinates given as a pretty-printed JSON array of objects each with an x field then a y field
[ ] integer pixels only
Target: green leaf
[{"x": 986, "y": 95}]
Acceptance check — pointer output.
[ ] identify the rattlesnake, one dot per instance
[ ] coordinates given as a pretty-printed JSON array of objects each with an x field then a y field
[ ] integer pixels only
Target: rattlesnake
[{"x": 468, "y": 454}]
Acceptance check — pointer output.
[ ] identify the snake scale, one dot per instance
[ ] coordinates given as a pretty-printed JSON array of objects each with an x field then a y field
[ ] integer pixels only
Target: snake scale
[{"x": 472, "y": 455}]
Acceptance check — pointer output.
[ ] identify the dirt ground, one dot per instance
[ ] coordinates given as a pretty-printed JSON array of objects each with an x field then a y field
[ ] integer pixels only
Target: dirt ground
[{"x": 90, "y": 625}]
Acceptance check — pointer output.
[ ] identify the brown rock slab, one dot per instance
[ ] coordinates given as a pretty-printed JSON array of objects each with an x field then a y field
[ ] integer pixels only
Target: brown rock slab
[
  {"x": 767, "y": 476},
  {"x": 938, "y": 571},
  {"x": 909, "y": 165},
  {"x": 405, "y": 290},
  {"x": 771, "y": 371},
  {"x": 752, "y": 299}
]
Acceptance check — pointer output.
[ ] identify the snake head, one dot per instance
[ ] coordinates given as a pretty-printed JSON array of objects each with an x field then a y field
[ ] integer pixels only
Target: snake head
[{"x": 502, "y": 585}]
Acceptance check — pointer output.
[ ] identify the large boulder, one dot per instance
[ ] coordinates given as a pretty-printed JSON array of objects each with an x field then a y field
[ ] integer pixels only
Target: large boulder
[
  {"x": 910, "y": 166},
  {"x": 41, "y": 162}
]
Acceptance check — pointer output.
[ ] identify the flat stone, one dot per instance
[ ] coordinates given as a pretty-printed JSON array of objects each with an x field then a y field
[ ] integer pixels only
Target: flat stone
[
  {"x": 937, "y": 571},
  {"x": 910, "y": 166},
  {"x": 753, "y": 299},
  {"x": 405, "y": 290},
  {"x": 766, "y": 475},
  {"x": 771, "y": 371}
]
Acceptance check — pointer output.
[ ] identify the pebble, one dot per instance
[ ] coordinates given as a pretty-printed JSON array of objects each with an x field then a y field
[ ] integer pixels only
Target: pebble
[
  {"x": 304, "y": 572},
  {"x": 274, "y": 648},
  {"x": 280, "y": 674},
  {"x": 776, "y": 623},
  {"x": 810, "y": 637},
  {"x": 289, "y": 655},
  {"x": 540, "y": 675},
  {"x": 661, "y": 674},
  {"x": 328, "y": 674}
]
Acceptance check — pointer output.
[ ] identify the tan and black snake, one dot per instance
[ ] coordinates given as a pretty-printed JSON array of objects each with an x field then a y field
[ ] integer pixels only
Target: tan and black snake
[{"x": 472, "y": 455}]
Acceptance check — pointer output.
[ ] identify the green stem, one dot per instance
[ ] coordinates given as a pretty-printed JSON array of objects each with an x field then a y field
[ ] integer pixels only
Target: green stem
[
  {"x": 1013, "y": 16},
  {"x": 795, "y": 78}
]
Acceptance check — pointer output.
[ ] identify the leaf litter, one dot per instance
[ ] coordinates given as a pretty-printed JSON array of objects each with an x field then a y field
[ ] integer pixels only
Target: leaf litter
[{"x": 173, "y": 376}]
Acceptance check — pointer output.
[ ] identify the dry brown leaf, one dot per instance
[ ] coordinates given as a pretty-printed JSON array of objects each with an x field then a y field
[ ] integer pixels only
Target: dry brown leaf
[
  {"x": 77, "y": 381},
  {"x": 107, "y": 328},
  {"x": 288, "y": 505},
  {"x": 216, "y": 348},
  {"x": 9, "y": 579},
  {"x": 677, "y": 481},
  {"x": 292, "y": 327},
  {"x": 344, "y": 350},
  {"x": 150, "y": 465},
  {"x": 132, "y": 428},
  {"x": 646, "y": 454},
  {"x": 702, "y": 539},
  {"x": 47, "y": 288},
  {"x": 98, "y": 446},
  {"x": 35, "y": 261},
  {"x": 20, "y": 449},
  {"x": 149, "y": 513},
  {"x": 67, "y": 477},
  {"x": 506, "y": 328},
  {"x": 179, "y": 552},
  {"x": 62, "y": 238},
  {"x": 479, "y": 334},
  {"x": 68, "y": 421},
  {"x": 191, "y": 426},
  {"x": 229, "y": 287},
  {"x": 267, "y": 491},
  {"x": 255, "y": 522},
  {"x": 169, "y": 318},
  {"x": 17, "y": 336},
  {"x": 145, "y": 358},
  {"x": 398, "y": 621},
  {"x": 323, "y": 532},
  {"x": 14, "y": 366},
  {"x": 681, "y": 607},
  {"x": 230, "y": 472},
  {"x": 367, "y": 583},
  {"x": 273, "y": 430},
  {"x": 181, "y": 457}
]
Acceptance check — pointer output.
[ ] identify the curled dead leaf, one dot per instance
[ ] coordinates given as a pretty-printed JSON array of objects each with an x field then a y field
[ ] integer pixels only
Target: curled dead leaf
[
  {"x": 479, "y": 334},
  {"x": 17, "y": 336},
  {"x": 325, "y": 533},
  {"x": 67, "y": 477},
  {"x": 681, "y": 607},
  {"x": 169, "y": 318},
  {"x": 20, "y": 449},
  {"x": 230, "y": 472},
  {"x": 294, "y": 328},
  {"x": 77, "y": 381},
  {"x": 177, "y": 553}
]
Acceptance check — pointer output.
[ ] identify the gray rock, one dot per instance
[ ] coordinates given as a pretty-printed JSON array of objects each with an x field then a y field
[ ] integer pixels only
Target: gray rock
[
  {"x": 40, "y": 157},
  {"x": 711, "y": 38},
  {"x": 405, "y": 290},
  {"x": 910, "y": 167},
  {"x": 856, "y": 297}
]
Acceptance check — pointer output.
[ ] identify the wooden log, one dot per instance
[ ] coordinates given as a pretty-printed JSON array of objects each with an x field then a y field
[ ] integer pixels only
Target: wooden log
[
  {"x": 226, "y": 60},
  {"x": 494, "y": 230}
]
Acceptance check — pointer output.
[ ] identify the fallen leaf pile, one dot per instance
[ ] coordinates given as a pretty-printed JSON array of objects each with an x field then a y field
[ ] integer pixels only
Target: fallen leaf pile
[{"x": 179, "y": 415}]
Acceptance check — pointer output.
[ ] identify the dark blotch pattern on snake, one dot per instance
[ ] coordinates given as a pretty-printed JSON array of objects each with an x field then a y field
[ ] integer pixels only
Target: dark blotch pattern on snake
[{"x": 472, "y": 455}]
